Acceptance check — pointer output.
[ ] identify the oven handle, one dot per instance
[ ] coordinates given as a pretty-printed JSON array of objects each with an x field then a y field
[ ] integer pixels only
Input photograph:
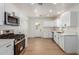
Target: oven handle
[{"x": 19, "y": 41}]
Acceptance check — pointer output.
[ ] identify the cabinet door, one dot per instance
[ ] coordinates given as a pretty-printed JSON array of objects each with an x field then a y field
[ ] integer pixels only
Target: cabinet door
[
  {"x": 7, "y": 49},
  {"x": 65, "y": 18},
  {"x": 61, "y": 41},
  {"x": 74, "y": 19},
  {"x": 1, "y": 13},
  {"x": 59, "y": 22},
  {"x": 56, "y": 37}
]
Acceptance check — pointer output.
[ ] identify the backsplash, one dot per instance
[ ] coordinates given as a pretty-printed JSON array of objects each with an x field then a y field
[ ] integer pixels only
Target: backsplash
[{"x": 6, "y": 31}]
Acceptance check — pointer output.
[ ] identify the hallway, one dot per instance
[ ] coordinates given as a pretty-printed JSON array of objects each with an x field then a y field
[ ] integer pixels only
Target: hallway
[{"x": 40, "y": 46}]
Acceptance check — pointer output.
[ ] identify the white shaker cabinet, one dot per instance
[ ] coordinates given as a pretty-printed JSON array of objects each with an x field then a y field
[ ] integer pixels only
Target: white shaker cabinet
[
  {"x": 56, "y": 37},
  {"x": 1, "y": 13},
  {"x": 74, "y": 19},
  {"x": 61, "y": 41},
  {"x": 6, "y": 47},
  {"x": 65, "y": 19},
  {"x": 67, "y": 42},
  {"x": 69, "y": 19}
]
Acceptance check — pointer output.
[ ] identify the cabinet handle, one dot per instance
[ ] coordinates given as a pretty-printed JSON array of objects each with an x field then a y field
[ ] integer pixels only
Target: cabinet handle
[{"x": 8, "y": 45}]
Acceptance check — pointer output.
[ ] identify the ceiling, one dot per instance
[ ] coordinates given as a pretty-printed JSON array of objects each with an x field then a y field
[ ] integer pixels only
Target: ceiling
[{"x": 45, "y": 9}]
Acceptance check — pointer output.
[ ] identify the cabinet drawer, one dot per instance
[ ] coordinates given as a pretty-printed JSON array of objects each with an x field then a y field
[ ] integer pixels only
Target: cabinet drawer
[{"x": 7, "y": 49}]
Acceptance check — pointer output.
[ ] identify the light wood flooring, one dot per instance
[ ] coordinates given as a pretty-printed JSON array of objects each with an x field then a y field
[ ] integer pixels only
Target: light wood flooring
[{"x": 40, "y": 46}]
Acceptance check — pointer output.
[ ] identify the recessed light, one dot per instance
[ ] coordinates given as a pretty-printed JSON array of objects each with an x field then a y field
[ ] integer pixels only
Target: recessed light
[
  {"x": 35, "y": 10},
  {"x": 58, "y": 12},
  {"x": 37, "y": 23},
  {"x": 50, "y": 10},
  {"x": 48, "y": 15},
  {"x": 37, "y": 15}
]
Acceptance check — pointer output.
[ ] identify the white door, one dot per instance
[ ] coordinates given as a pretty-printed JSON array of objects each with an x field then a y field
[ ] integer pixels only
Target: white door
[{"x": 37, "y": 30}]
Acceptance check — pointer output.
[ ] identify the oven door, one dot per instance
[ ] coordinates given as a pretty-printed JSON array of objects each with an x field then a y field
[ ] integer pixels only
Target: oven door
[{"x": 19, "y": 47}]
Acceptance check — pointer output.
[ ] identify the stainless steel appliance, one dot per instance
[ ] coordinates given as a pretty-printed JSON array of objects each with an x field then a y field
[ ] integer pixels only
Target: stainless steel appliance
[
  {"x": 11, "y": 20},
  {"x": 19, "y": 43}
]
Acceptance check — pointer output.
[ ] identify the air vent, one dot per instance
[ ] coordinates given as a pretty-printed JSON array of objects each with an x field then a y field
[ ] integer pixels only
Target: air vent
[
  {"x": 40, "y": 3},
  {"x": 45, "y": 4}
]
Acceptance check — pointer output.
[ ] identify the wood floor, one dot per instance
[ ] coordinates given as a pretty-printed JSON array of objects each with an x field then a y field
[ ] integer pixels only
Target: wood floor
[{"x": 40, "y": 46}]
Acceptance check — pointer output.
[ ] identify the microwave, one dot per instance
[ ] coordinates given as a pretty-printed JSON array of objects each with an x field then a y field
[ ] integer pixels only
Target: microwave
[{"x": 11, "y": 20}]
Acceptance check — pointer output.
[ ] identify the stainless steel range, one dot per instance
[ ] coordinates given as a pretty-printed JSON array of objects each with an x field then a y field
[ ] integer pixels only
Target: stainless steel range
[{"x": 19, "y": 43}]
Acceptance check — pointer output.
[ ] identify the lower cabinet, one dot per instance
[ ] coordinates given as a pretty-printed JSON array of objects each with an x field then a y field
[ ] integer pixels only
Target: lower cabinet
[
  {"x": 7, "y": 49},
  {"x": 56, "y": 37},
  {"x": 68, "y": 43},
  {"x": 61, "y": 41}
]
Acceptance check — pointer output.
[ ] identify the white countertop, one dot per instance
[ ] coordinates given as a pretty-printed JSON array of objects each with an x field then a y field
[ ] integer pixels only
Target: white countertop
[
  {"x": 69, "y": 31},
  {"x": 5, "y": 41}
]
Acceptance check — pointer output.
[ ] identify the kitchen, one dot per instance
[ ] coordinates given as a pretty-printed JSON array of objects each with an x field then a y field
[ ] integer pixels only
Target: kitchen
[
  {"x": 18, "y": 26},
  {"x": 11, "y": 30}
]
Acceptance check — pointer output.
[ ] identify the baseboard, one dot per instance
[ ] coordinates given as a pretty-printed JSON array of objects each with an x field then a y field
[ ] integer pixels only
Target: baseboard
[
  {"x": 33, "y": 37},
  {"x": 39, "y": 37},
  {"x": 71, "y": 53},
  {"x": 46, "y": 38}
]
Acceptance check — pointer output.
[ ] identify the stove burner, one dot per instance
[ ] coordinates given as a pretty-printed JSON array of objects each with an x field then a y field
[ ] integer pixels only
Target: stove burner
[{"x": 17, "y": 37}]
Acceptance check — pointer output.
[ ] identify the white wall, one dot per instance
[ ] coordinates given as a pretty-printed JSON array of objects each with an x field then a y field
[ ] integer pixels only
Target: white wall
[
  {"x": 23, "y": 28},
  {"x": 50, "y": 23}
]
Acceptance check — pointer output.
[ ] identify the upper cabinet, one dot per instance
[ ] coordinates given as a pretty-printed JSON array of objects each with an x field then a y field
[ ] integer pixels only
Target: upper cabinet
[
  {"x": 65, "y": 19},
  {"x": 73, "y": 19},
  {"x": 69, "y": 19},
  {"x": 1, "y": 13}
]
